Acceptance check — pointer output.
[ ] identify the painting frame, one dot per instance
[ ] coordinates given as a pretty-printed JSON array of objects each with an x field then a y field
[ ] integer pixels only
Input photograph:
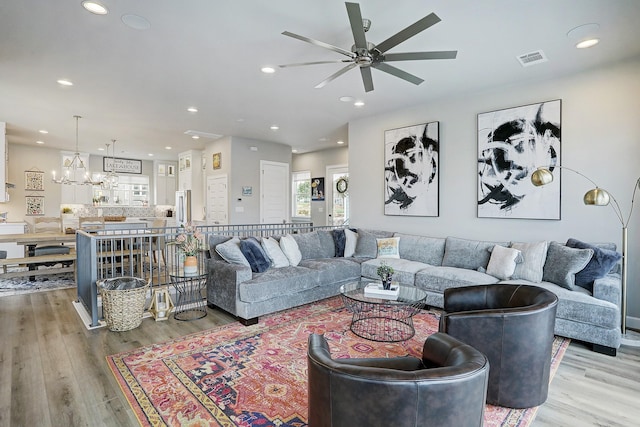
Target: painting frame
[
  {"x": 216, "y": 161},
  {"x": 34, "y": 205},
  {"x": 317, "y": 189},
  {"x": 412, "y": 170},
  {"x": 34, "y": 180},
  {"x": 512, "y": 143}
]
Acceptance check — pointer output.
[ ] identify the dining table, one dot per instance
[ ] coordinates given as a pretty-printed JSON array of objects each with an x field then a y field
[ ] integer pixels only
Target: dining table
[{"x": 31, "y": 240}]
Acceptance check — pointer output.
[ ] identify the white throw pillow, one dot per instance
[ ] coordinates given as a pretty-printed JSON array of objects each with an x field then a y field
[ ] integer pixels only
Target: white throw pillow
[
  {"x": 351, "y": 241},
  {"x": 275, "y": 254},
  {"x": 534, "y": 256},
  {"x": 291, "y": 250},
  {"x": 388, "y": 247},
  {"x": 230, "y": 252},
  {"x": 503, "y": 262}
]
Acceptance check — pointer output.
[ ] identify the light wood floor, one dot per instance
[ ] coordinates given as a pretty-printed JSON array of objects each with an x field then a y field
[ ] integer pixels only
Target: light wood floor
[{"x": 53, "y": 370}]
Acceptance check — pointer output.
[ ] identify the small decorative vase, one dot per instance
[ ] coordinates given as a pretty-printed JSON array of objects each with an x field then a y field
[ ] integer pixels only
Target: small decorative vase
[
  {"x": 190, "y": 265},
  {"x": 386, "y": 283}
]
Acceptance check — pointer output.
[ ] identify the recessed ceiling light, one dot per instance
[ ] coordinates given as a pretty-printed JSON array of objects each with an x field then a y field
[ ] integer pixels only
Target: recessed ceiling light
[
  {"x": 100, "y": 149},
  {"x": 268, "y": 70},
  {"x": 195, "y": 137},
  {"x": 150, "y": 154},
  {"x": 167, "y": 148},
  {"x": 340, "y": 142},
  {"x": 136, "y": 22},
  {"x": 95, "y": 7},
  {"x": 39, "y": 142},
  {"x": 347, "y": 98},
  {"x": 43, "y": 131},
  {"x": 274, "y": 127},
  {"x": 192, "y": 109},
  {"x": 240, "y": 120},
  {"x": 65, "y": 82},
  {"x": 294, "y": 150},
  {"x": 322, "y": 139},
  {"x": 587, "y": 43},
  {"x": 358, "y": 103}
]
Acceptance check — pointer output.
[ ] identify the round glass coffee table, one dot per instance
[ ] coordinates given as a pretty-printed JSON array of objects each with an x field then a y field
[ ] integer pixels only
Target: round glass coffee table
[{"x": 382, "y": 319}]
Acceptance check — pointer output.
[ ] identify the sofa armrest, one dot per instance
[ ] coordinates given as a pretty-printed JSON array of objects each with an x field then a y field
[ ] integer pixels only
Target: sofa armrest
[
  {"x": 609, "y": 288},
  {"x": 223, "y": 280}
]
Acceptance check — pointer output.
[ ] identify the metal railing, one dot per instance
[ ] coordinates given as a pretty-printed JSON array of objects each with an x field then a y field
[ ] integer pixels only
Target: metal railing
[{"x": 151, "y": 254}]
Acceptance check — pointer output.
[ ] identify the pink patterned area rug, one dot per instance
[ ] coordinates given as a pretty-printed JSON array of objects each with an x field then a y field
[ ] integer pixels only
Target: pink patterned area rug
[{"x": 257, "y": 376}]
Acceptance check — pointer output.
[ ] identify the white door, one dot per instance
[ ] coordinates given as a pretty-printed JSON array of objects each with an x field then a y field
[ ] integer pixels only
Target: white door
[
  {"x": 274, "y": 192},
  {"x": 217, "y": 200},
  {"x": 337, "y": 201}
]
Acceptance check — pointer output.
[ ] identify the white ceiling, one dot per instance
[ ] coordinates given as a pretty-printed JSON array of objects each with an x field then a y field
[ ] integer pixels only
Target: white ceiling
[{"x": 135, "y": 86}]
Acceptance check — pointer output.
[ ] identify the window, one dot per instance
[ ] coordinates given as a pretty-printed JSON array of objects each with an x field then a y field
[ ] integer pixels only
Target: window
[{"x": 301, "y": 194}]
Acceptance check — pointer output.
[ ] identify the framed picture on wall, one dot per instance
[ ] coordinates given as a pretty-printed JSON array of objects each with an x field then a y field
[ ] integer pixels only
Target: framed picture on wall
[
  {"x": 34, "y": 180},
  {"x": 317, "y": 189},
  {"x": 217, "y": 160},
  {"x": 512, "y": 144},
  {"x": 34, "y": 205},
  {"x": 411, "y": 170}
]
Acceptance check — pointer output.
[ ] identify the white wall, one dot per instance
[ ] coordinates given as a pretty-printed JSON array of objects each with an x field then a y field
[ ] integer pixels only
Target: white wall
[
  {"x": 317, "y": 162},
  {"x": 600, "y": 138}
]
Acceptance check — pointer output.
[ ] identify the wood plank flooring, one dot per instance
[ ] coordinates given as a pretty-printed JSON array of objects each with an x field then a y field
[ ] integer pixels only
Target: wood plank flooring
[{"x": 53, "y": 370}]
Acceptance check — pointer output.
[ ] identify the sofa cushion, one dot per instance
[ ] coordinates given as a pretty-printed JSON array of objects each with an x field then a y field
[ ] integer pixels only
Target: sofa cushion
[
  {"x": 602, "y": 261},
  {"x": 215, "y": 240},
  {"x": 563, "y": 263},
  {"x": 388, "y": 247},
  {"x": 469, "y": 254},
  {"x": 429, "y": 250},
  {"x": 309, "y": 245},
  {"x": 326, "y": 241},
  {"x": 290, "y": 248},
  {"x": 333, "y": 270},
  {"x": 437, "y": 279},
  {"x": 253, "y": 252},
  {"x": 272, "y": 248},
  {"x": 277, "y": 282},
  {"x": 404, "y": 271},
  {"x": 367, "y": 246},
  {"x": 503, "y": 261},
  {"x": 230, "y": 252},
  {"x": 351, "y": 239},
  {"x": 533, "y": 258}
]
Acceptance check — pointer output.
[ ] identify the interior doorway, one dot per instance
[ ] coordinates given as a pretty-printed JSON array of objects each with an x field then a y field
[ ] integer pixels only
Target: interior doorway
[
  {"x": 274, "y": 192},
  {"x": 217, "y": 200},
  {"x": 337, "y": 195}
]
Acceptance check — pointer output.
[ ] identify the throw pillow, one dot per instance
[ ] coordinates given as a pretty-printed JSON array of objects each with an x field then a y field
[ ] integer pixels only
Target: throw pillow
[
  {"x": 214, "y": 241},
  {"x": 272, "y": 248},
  {"x": 351, "y": 240},
  {"x": 563, "y": 263},
  {"x": 252, "y": 251},
  {"x": 290, "y": 249},
  {"x": 339, "y": 241},
  {"x": 533, "y": 258},
  {"x": 367, "y": 247},
  {"x": 309, "y": 244},
  {"x": 503, "y": 262},
  {"x": 230, "y": 252},
  {"x": 388, "y": 247},
  {"x": 601, "y": 263},
  {"x": 468, "y": 254}
]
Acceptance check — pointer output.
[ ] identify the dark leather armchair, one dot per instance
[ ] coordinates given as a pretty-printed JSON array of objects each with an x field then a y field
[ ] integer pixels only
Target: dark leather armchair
[
  {"x": 447, "y": 387},
  {"x": 513, "y": 326}
]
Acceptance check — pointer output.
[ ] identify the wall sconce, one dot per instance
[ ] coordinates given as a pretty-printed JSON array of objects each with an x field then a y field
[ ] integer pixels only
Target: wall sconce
[{"x": 161, "y": 304}]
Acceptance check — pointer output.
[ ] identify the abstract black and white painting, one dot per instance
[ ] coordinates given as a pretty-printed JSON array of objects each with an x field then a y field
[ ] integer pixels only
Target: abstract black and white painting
[
  {"x": 512, "y": 144},
  {"x": 411, "y": 170}
]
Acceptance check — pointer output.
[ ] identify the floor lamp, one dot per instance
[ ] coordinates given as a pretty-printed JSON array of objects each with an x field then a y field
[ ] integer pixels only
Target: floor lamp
[{"x": 601, "y": 197}]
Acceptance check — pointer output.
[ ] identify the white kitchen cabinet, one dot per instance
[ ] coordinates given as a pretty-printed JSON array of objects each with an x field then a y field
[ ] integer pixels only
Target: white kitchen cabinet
[
  {"x": 165, "y": 178},
  {"x": 13, "y": 249}
]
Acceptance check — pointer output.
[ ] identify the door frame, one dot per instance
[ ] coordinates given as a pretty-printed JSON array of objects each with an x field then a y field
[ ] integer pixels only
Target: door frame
[
  {"x": 328, "y": 189},
  {"x": 287, "y": 188}
]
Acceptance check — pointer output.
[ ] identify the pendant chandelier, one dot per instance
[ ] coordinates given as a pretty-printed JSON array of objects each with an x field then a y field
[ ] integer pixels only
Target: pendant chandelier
[
  {"x": 110, "y": 180},
  {"x": 74, "y": 171}
]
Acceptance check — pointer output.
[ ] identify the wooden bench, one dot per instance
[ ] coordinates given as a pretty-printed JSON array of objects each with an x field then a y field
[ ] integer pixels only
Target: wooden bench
[{"x": 41, "y": 259}]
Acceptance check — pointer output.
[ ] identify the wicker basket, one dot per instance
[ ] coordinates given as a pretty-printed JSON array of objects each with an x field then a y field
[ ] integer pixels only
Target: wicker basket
[{"x": 123, "y": 301}]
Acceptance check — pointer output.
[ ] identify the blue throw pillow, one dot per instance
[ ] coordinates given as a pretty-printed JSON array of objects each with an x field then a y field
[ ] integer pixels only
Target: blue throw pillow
[
  {"x": 253, "y": 252},
  {"x": 602, "y": 261},
  {"x": 339, "y": 241}
]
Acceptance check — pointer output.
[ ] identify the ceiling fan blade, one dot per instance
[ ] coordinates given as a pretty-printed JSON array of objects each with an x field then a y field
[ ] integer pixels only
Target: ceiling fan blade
[
  {"x": 299, "y": 64},
  {"x": 320, "y": 44},
  {"x": 414, "y": 56},
  {"x": 398, "y": 73},
  {"x": 355, "y": 19},
  {"x": 366, "y": 78},
  {"x": 410, "y": 31},
  {"x": 335, "y": 75}
]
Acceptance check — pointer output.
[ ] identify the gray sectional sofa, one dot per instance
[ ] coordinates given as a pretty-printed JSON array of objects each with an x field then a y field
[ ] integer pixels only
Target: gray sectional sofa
[{"x": 433, "y": 264}]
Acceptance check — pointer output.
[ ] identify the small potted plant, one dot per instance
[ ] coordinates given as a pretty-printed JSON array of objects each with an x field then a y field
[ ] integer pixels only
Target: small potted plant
[{"x": 386, "y": 273}]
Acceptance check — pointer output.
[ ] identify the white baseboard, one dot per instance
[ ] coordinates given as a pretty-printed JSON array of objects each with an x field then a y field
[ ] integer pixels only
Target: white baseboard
[{"x": 633, "y": 322}]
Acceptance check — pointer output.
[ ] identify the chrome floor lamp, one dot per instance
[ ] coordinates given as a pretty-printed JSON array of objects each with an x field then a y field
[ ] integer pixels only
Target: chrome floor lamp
[{"x": 601, "y": 197}]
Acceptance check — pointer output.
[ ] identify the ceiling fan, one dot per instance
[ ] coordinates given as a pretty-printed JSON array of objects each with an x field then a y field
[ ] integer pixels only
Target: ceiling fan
[{"x": 367, "y": 55}]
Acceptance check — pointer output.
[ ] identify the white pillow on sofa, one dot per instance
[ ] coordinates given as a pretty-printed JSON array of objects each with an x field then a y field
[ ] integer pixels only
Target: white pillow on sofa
[
  {"x": 503, "y": 262},
  {"x": 291, "y": 250},
  {"x": 272, "y": 248},
  {"x": 351, "y": 240},
  {"x": 533, "y": 259},
  {"x": 230, "y": 252}
]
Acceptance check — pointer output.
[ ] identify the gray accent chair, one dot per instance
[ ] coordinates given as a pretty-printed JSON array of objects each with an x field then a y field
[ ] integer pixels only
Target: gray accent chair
[
  {"x": 446, "y": 388},
  {"x": 513, "y": 326}
]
